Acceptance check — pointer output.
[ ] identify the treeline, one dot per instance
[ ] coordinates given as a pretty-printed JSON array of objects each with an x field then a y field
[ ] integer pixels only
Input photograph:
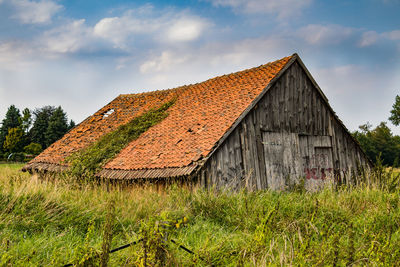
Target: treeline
[
  {"x": 379, "y": 142},
  {"x": 24, "y": 135}
]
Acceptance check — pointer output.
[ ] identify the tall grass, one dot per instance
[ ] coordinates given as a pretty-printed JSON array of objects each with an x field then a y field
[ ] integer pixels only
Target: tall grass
[{"x": 57, "y": 222}]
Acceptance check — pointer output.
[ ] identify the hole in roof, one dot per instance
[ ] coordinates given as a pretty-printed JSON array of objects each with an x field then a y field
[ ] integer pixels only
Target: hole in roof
[{"x": 108, "y": 113}]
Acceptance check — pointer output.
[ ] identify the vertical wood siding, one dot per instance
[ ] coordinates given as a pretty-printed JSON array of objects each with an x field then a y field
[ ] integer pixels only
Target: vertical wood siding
[{"x": 291, "y": 133}]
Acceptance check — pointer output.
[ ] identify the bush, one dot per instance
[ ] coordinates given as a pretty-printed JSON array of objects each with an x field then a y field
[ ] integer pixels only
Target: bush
[{"x": 33, "y": 149}]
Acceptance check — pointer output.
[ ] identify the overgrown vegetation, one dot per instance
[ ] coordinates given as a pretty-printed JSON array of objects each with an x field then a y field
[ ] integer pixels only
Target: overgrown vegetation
[
  {"x": 54, "y": 223},
  {"x": 87, "y": 162}
]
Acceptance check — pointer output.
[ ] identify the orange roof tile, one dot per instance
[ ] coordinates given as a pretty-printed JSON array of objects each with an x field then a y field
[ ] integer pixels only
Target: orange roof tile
[{"x": 201, "y": 115}]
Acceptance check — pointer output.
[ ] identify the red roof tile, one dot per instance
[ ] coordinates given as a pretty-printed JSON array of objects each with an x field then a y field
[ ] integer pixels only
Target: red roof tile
[{"x": 201, "y": 115}]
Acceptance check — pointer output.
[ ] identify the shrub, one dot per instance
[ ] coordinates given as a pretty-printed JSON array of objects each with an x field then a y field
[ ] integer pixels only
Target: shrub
[{"x": 33, "y": 149}]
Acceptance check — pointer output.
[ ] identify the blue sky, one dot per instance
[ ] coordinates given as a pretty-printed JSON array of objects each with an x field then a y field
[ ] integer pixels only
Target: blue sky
[{"x": 80, "y": 54}]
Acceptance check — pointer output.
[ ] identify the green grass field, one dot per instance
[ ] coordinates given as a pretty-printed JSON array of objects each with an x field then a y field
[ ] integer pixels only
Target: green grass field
[
  {"x": 55, "y": 223},
  {"x": 12, "y": 166}
]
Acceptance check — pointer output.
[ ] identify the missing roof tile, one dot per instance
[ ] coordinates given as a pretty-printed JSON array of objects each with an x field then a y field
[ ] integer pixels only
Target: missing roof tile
[{"x": 108, "y": 113}]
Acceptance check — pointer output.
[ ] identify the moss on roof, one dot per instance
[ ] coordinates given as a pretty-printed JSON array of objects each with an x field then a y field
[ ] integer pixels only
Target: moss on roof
[{"x": 87, "y": 162}]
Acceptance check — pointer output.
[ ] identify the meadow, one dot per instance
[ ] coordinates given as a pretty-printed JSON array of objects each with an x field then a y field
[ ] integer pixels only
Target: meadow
[{"x": 52, "y": 223}]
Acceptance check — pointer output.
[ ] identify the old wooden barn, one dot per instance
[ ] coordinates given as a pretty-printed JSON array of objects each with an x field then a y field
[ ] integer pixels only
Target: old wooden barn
[{"x": 265, "y": 127}]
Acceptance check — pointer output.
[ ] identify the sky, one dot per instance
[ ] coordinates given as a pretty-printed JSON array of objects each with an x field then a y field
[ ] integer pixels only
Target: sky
[{"x": 81, "y": 54}]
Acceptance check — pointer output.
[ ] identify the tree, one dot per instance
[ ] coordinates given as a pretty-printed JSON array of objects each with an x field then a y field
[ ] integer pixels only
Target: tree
[
  {"x": 33, "y": 149},
  {"x": 58, "y": 126},
  {"x": 40, "y": 124},
  {"x": 12, "y": 120},
  {"x": 26, "y": 120},
  {"x": 395, "y": 117},
  {"x": 379, "y": 141},
  {"x": 14, "y": 140},
  {"x": 71, "y": 125}
]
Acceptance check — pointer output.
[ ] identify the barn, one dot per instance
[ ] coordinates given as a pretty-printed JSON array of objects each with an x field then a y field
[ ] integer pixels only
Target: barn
[{"x": 266, "y": 127}]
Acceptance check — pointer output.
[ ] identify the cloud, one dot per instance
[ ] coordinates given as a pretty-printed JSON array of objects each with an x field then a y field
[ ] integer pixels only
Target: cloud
[
  {"x": 372, "y": 37},
  {"x": 166, "y": 61},
  {"x": 372, "y": 88},
  {"x": 186, "y": 29},
  {"x": 119, "y": 29},
  {"x": 169, "y": 26},
  {"x": 281, "y": 8},
  {"x": 32, "y": 12},
  {"x": 324, "y": 34},
  {"x": 368, "y": 38},
  {"x": 241, "y": 54},
  {"x": 15, "y": 55},
  {"x": 393, "y": 35},
  {"x": 66, "y": 39}
]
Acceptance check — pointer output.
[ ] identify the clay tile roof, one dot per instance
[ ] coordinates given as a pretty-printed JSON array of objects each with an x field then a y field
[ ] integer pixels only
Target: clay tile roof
[{"x": 201, "y": 115}]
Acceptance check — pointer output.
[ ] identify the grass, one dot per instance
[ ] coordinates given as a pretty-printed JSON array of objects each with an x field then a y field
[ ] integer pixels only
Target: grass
[
  {"x": 11, "y": 166},
  {"x": 53, "y": 223}
]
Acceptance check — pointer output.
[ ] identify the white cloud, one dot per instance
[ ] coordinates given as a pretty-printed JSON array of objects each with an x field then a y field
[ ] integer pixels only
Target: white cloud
[
  {"x": 282, "y": 8},
  {"x": 171, "y": 27},
  {"x": 368, "y": 38},
  {"x": 165, "y": 62},
  {"x": 324, "y": 34},
  {"x": 119, "y": 29},
  {"x": 67, "y": 38},
  {"x": 32, "y": 12},
  {"x": 242, "y": 54},
  {"x": 186, "y": 29},
  {"x": 393, "y": 35},
  {"x": 15, "y": 55},
  {"x": 371, "y": 37},
  {"x": 372, "y": 88}
]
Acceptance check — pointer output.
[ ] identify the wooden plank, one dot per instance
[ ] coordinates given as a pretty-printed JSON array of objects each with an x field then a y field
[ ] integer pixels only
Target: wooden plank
[
  {"x": 275, "y": 107},
  {"x": 287, "y": 101},
  {"x": 245, "y": 153},
  {"x": 273, "y": 159},
  {"x": 253, "y": 148},
  {"x": 238, "y": 159},
  {"x": 299, "y": 98},
  {"x": 260, "y": 153}
]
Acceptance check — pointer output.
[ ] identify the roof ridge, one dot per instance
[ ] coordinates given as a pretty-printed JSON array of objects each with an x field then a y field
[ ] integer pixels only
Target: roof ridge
[{"x": 210, "y": 79}]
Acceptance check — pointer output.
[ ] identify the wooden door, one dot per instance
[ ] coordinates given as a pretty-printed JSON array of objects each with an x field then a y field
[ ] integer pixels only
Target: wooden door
[
  {"x": 317, "y": 157},
  {"x": 282, "y": 159}
]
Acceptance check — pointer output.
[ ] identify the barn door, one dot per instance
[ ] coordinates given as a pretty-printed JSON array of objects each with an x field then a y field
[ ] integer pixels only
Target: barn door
[
  {"x": 317, "y": 155},
  {"x": 282, "y": 159}
]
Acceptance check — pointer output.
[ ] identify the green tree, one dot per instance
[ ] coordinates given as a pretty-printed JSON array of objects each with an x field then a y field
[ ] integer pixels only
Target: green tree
[
  {"x": 379, "y": 141},
  {"x": 40, "y": 125},
  {"x": 33, "y": 149},
  {"x": 14, "y": 140},
  {"x": 395, "y": 117},
  {"x": 11, "y": 120},
  {"x": 71, "y": 125},
  {"x": 58, "y": 126}
]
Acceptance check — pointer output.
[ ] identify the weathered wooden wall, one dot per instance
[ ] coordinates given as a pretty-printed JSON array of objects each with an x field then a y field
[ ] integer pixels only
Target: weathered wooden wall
[{"x": 291, "y": 133}]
